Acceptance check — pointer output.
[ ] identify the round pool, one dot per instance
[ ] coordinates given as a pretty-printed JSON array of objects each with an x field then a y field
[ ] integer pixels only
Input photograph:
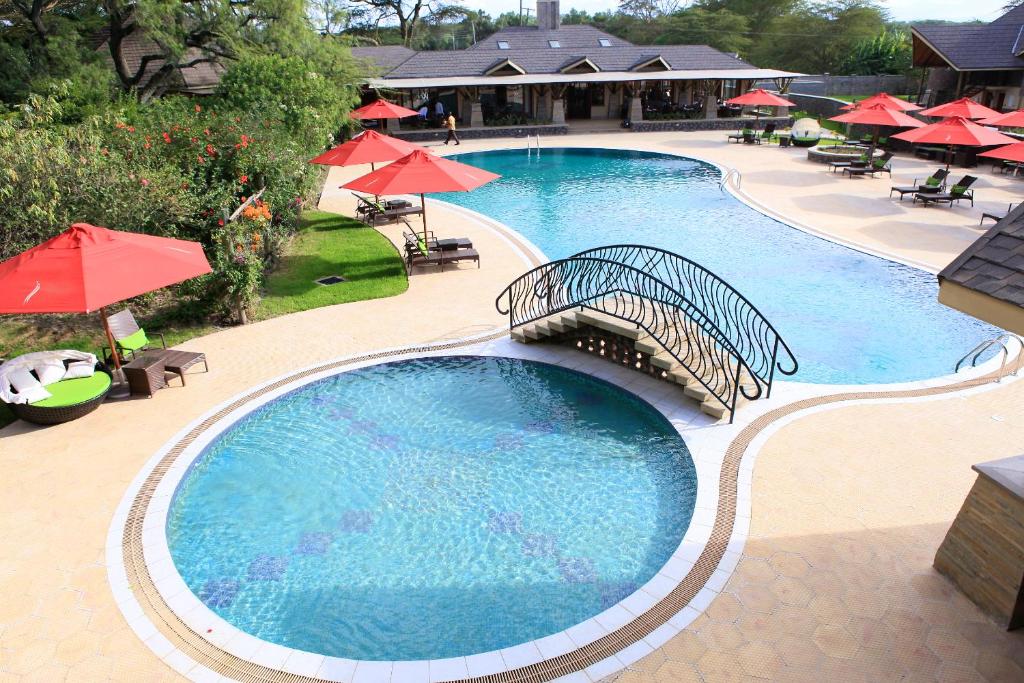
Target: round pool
[
  {"x": 849, "y": 317},
  {"x": 432, "y": 508}
]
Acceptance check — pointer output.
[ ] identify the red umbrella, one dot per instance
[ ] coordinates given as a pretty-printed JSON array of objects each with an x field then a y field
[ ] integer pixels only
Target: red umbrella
[
  {"x": 884, "y": 99},
  {"x": 955, "y": 130},
  {"x": 1013, "y": 119},
  {"x": 1014, "y": 152},
  {"x": 418, "y": 173},
  {"x": 877, "y": 115},
  {"x": 368, "y": 147},
  {"x": 382, "y": 109},
  {"x": 760, "y": 97},
  {"x": 86, "y": 268},
  {"x": 965, "y": 107}
]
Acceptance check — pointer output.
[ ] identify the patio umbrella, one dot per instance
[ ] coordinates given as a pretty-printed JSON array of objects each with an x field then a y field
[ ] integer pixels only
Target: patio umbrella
[
  {"x": 877, "y": 115},
  {"x": 87, "y": 268},
  {"x": 419, "y": 173},
  {"x": 760, "y": 97},
  {"x": 884, "y": 99},
  {"x": 955, "y": 130},
  {"x": 1014, "y": 152},
  {"x": 382, "y": 109},
  {"x": 1013, "y": 119},
  {"x": 965, "y": 107},
  {"x": 369, "y": 147}
]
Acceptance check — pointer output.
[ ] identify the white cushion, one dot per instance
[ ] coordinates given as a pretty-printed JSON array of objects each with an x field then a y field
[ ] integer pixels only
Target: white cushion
[
  {"x": 28, "y": 387},
  {"x": 48, "y": 373},
  {"x": 80, "y": 368}
]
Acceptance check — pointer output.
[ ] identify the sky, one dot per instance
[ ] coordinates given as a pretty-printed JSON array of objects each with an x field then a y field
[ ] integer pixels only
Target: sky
[{"x": 902, "y": 10}]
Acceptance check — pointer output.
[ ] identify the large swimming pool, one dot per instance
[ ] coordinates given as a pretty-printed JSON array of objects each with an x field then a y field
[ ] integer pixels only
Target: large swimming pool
[
  {"x": 850, "y": 318},
  {"x": 432, "y": 508}
]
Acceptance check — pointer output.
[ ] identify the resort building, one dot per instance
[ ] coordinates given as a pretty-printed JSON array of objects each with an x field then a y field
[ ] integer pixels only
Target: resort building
[
  {"x": 551, "y": 73},
  {"x": 982, "y": 61},
  {"x": 987, "y": 279}
]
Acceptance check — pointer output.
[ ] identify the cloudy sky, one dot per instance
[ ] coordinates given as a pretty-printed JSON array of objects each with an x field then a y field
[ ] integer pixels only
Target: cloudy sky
[{"x": 953, "y": 10}]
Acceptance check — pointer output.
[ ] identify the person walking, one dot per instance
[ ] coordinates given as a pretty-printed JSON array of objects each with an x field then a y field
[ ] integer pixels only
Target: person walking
[{"x": 450, "y": 125}]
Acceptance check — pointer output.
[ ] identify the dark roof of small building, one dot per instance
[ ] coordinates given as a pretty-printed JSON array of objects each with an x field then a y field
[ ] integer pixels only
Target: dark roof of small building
[
  {"x": 530, "y": 50},
  {"x": 197, "y": 79},
  {"x": 385, "y": 57},
  {"x": 994, "y": 264},
  {"x": 978, "y": 47}
]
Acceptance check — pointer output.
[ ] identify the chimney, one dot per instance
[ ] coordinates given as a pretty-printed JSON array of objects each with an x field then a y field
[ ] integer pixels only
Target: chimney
[{"x": 549, "y": 18}]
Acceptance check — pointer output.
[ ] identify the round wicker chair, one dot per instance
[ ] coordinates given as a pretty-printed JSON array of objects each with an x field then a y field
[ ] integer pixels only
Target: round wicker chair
[{"x": 51, "y": 415}]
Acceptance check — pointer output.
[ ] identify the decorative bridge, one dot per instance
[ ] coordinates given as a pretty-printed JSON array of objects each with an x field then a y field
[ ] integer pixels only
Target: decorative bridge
[{"x": 683, "y": 323}]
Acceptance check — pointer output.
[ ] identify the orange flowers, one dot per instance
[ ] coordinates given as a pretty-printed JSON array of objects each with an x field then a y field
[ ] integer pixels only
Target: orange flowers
[
  {"x": 167, "y": 138},
  {"x": 258, "y": 210}
]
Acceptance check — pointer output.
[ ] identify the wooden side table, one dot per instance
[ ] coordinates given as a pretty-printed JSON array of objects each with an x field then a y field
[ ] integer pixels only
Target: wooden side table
[{"x": 145, "y": 374}]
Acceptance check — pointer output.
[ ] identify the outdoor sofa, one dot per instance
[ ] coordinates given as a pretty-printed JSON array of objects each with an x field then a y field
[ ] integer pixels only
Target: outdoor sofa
[{"x": 60, "y": 401}]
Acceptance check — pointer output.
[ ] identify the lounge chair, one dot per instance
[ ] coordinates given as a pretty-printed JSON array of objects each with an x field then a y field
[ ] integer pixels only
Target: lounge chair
[
  {"x": 960, "y": 190},
  {"x": 879, "y": 165},
  {"x": 933, "y": 183},
  {"x": 861, "y": 161},
  {"x": 766, "y": 134},
  {"x": 742, "y": 135},
  {"x": 994, "y": 216},
  {"x": 418, "y": 255},
  {"x": 434, "y": 244},
  {"x": 128, "y": 336},
  {"x": 371, "y": 211}
]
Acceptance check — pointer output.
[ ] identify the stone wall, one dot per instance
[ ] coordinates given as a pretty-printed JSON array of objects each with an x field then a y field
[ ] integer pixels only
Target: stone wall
[
  {"x": 826, "y": 84},
  {"x": 483, "y": 132},
  {"x": 709, "y": 124},
  {"x": 816, "y": 106}
]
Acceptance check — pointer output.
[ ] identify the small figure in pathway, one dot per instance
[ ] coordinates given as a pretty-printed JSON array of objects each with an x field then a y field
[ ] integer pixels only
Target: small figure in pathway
[{"x": 450, "y": 125}]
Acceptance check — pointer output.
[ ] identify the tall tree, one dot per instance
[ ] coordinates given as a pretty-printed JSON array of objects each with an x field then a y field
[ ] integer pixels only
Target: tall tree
[
  {"x": 722, "y": 30},
  {"x": 408, "y": 14},
  {"x": 649, "y": 10}
]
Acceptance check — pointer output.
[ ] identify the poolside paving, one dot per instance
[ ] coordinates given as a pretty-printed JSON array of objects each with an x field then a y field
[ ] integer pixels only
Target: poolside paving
[{"x": 849, "y": 505}]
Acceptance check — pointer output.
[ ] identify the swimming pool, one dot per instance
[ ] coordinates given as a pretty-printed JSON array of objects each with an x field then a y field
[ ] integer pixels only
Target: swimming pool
[
  {"x": 432, "y": 508},
  {"x": 849, "y": 317}
]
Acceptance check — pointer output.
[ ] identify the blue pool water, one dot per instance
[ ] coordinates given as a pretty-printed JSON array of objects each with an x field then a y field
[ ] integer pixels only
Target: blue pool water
[
  {"x": 432, "y": 508},
  {"x": 850, "y": 318}
]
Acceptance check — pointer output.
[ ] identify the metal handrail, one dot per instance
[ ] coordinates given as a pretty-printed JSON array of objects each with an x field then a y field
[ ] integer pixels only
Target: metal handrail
[
  {"x": 975, "y": 353},
  {"x": 730, "y": 174},
  {"x": 677, "y": 318}
]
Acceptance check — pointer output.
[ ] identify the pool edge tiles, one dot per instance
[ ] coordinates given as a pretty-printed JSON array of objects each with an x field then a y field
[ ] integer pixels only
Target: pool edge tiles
[{"x": 199, "y": 620}]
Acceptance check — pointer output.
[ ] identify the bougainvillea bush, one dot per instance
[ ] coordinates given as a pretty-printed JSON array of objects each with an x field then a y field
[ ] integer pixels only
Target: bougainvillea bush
[{"x": 178, "y": 167}]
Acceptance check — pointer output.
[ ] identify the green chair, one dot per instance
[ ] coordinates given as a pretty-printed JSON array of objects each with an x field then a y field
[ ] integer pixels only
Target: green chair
[{"x": 129, "y": 337}]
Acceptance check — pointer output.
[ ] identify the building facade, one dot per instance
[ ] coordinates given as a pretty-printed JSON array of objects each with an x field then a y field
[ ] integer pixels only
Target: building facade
[{"x": 555, "y": 74}]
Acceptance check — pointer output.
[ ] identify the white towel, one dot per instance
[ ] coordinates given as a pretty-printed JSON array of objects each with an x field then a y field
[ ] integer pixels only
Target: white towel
[{"x": 28, "y": 362}]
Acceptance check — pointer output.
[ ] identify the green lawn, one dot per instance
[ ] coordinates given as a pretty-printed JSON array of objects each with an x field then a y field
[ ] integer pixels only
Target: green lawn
[
  {"x": 326, "y": 244},
  {"x": 329, "y": 244},
  {"x": 855, "y": 98}
]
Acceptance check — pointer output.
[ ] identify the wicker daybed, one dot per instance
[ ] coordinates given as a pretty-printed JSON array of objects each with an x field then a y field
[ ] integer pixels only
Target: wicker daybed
[{"x": 70, "y": 399}]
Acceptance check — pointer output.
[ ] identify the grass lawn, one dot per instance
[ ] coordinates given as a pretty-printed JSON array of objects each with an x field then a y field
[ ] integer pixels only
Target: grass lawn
[
  {"x": 326, "y": 244},
  {"x": 329, "y": 244},
  {"x": 856, "y": 98}
]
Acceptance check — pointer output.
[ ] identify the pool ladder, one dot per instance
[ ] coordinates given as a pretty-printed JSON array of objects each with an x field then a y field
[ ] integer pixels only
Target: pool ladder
[
  {"x": 729, "y": 175},
  {"x": 984, "y": 346},
  {"x": 530, "y": 145}
]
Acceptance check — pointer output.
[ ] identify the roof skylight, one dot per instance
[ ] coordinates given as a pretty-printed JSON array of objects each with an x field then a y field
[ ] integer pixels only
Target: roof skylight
[
  {"x": 502, "y": 44},
  {"x": 554, "y": 43},
  {"x": 604, "y": 42}
]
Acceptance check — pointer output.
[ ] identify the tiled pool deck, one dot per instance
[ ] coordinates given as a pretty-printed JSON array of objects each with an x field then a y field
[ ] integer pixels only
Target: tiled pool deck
[{"x": 848, "y": 505}]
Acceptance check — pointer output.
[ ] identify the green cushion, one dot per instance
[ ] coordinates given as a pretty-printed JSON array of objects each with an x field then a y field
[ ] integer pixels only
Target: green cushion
[
  {"x": 958, "y": 189},
  {"x": 422, "y": 246},
  {"x": 69, "y": 392},
  {"x": 134, "y": 342},
  {"x": 932, "y": 182}
]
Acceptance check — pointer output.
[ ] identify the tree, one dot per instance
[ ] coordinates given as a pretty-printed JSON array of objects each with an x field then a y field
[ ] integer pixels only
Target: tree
[
  {"x": 328, "y": 17},
  {"x": 649, "y": 10},
  {"x": 890, "y": 52},
  {"x": 722, "y": 30},
  {"x": 407, "y": 13}
]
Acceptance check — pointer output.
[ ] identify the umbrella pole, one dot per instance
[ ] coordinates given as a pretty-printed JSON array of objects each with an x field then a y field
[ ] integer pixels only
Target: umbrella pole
[
  {"x": 110, "y": 338},
  {"x": 423, "y": 205}
]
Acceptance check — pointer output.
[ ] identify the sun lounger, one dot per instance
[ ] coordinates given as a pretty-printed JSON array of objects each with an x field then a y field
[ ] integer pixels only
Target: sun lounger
[
  {"x": 994, "y": 216},
  {"x": 933, "y": 183},
  {"x": 416, "y": 256},
  {"x": 879, "y": 165},
  {"x": 741, "y": 136},
  {"x": 956, "y": 193},
  {"x": 129, "y": 337},
  {"x": 373, "y": 212}
]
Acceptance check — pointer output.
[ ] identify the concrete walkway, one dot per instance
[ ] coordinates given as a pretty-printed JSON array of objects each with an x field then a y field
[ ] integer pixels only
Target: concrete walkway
[{"x": 849, "y": 505}]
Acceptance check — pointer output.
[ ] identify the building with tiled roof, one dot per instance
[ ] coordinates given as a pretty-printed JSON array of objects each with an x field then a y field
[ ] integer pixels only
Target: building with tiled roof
[
  {"x": 551, "y": 72},
  {"x": 987, "y": 279},
  {"x": 982, "y": 61}
]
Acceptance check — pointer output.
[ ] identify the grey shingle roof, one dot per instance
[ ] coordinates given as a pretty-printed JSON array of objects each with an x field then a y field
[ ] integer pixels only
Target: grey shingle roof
[
  {"x": 974, "y": 46},
  {"x": 534, "y": 56},
  {"x": 571, "y": 37},
  {"x": 994, "y": 264},
  {"x": 385, "y": 57}
]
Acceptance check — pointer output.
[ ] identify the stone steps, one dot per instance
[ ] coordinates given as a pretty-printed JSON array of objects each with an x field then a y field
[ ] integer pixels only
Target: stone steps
[{"x": 657, "y": 356}]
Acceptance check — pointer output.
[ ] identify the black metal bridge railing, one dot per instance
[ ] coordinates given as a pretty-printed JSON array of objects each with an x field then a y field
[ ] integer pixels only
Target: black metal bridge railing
[{"x": 707, "y": 326}]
